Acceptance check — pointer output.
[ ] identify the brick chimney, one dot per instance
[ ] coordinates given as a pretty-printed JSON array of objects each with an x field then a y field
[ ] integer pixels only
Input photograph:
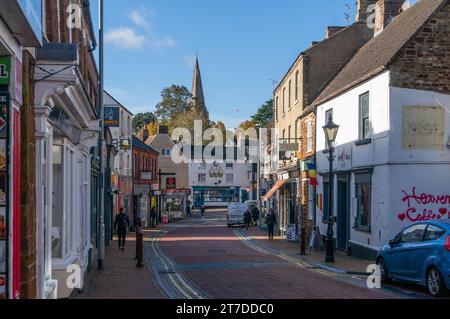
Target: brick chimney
[
  {"x": 363, "y": 10},
  {"x": 163, "y": 129},
  {"x": 330, "y": 31},
  {"x": 385, "y": 12}
]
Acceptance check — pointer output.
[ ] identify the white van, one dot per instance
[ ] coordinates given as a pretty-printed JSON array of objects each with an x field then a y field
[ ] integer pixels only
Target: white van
[{"x": 236, "y": 213}]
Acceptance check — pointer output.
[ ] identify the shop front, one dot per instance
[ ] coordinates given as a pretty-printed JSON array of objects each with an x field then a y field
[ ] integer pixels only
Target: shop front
[
  {"x": 174, "y": 204},
  {"x": 216, "y": 196},
  {"x": 142, "y": 202},
  {"x": 20, "y": 27},
  {"x": 67, "y": 201}
]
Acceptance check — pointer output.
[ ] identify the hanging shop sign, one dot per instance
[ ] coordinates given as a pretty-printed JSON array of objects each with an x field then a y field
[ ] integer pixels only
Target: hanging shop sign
[
  {"x": 112, "y": 117},
  {"x": 5, "y": 70},
  {"x": 171, "y": 183},
  {"x": 4, "y": 203},
  {"x": 62, "y": 121}
]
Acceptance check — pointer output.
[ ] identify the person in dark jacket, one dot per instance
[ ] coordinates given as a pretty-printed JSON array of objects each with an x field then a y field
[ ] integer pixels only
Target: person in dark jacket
[
  {"x": 203, "y": 210},
  {"x": 247, "y": 218},
  {"x": 255, "y": 216},
  {"x": 271, "y": 221},
  {"x": 153, "y": 217},
  {"x": 121, "y": 224}
]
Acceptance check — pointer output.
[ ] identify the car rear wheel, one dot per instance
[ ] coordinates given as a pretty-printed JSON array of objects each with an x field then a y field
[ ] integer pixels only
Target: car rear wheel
[
  {"x": 385, "y": 279},
  {"x": 435, "y": 283}
]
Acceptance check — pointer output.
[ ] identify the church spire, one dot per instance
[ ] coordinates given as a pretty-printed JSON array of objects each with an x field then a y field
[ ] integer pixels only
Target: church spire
[{"x": 198, "y": 98}]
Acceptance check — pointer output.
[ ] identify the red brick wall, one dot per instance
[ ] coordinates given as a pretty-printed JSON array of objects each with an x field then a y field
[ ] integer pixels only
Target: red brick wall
[
  {"x": 28, "y": 184},
  {"x": 424, "y": 63},
  {"x": 307, "y": 156},
  {"x": 152, "y": 160}
]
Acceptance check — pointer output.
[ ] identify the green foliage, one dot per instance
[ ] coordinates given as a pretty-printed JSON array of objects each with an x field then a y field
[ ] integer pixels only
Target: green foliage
[
  {"x": 175, "y": 101},
  {"x": 264, "y": 115},
  {"x": 142, "y": 119}
]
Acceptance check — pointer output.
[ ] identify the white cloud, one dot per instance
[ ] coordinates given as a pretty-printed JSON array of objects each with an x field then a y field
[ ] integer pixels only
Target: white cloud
[
  {"x": 126, "y": 38},
  {"x": 143, "y": 19},
  {"x": 139, "y": 19}
]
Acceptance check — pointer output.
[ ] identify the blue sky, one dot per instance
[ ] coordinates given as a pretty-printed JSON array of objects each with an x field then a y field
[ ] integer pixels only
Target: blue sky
[{"x": 242, "y": 45}]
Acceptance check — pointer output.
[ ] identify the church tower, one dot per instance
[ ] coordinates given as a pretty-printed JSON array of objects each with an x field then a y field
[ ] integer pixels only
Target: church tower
[{"x": 198, "y": 98}]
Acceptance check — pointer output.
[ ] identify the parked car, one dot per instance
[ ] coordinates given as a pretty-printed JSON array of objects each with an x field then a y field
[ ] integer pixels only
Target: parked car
[{"x": 419, "y": 254}]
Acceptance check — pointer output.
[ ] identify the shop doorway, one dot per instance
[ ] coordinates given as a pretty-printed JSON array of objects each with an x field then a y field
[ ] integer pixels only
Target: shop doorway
[{"x": 343, "y": 212}]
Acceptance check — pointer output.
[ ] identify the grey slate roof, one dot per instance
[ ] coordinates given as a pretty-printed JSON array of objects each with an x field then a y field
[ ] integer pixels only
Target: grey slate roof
[
  {"x": 137, "y": 143},
  {"x": 376, "y": 56}
]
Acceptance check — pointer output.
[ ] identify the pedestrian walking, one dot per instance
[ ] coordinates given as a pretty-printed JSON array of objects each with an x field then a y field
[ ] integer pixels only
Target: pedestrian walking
[
  {"x": 153, "y": 217},
  {"x": 247, "y": 219},
  {"x": 121, "y": 224},
  {"x": 203, "y": 210},
  {"x": 189, "y": 212},
  {"x": 271, "y": 221},
  {"x": 255, "y": 216}
]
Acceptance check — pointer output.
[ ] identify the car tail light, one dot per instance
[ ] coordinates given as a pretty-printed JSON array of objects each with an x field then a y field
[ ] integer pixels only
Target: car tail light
[{"x": 447, "y": 243}]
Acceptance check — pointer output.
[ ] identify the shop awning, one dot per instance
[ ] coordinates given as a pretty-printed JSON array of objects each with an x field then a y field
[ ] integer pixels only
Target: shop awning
[{"x": 275, "y": 189}]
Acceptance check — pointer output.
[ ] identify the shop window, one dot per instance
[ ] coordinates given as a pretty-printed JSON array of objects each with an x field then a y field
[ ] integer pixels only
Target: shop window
[
  {"x": 311, "y": 200},
  {"x": 363, "y": 186},
  {"x": 326, "y": 206}
]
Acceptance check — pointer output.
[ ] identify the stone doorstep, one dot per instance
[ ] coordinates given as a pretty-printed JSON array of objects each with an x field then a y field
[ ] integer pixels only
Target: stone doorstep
[{"x": 344, "y": 264}]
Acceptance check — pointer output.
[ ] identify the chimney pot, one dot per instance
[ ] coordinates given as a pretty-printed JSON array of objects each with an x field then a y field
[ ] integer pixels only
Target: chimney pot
[{"x": 385, "y": 12}]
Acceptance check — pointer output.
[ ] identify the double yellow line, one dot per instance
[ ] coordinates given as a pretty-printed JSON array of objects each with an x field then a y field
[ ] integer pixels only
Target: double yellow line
[{"x": 188, "y": 291}]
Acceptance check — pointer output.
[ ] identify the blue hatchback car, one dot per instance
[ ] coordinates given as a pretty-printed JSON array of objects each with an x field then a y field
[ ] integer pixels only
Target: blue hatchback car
[{"x": 420, "y": 254}]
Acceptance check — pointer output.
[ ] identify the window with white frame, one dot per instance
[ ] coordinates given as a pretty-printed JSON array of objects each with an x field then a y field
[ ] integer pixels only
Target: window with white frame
[
  {"x": 276, "y": 108},
  {"x": 289, "y": 94},
  {"x": 229, "y": 166},
  {"x": 309, "y": 136},
  {"x": 201, "y": 178},
  {"x": 230, "y": 178},
  {"x": 166, "y": 152},
  {"x": 364, "y": 116}
]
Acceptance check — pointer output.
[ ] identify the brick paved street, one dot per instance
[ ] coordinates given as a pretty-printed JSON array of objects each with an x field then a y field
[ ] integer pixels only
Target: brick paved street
[
  {"x": 213, "y": 261},
  {"x": 121, "y": 278}
]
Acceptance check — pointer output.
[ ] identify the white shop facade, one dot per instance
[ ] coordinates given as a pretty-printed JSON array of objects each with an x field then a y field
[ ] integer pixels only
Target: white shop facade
[
  {"x": 66, "y": 137},
  {"x": 392, "y": 170}
]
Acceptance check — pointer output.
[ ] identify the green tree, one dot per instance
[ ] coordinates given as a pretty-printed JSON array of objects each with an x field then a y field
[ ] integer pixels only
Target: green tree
[
  {"x": 142, "y": 119},
  {"x": 264, "y": 115},
  {"x": 175, "y": 102}
]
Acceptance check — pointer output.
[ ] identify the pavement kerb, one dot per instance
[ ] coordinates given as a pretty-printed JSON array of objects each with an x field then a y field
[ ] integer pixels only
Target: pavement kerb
[{"x": 316, "y": 265}]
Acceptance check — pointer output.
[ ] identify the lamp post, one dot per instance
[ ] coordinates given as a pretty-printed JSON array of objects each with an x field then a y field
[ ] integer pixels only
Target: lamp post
[{"x": 331, "y": 130}]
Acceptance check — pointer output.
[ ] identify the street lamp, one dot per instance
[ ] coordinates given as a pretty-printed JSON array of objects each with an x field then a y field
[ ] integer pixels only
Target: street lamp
[{"x": 331, "y": 131}]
